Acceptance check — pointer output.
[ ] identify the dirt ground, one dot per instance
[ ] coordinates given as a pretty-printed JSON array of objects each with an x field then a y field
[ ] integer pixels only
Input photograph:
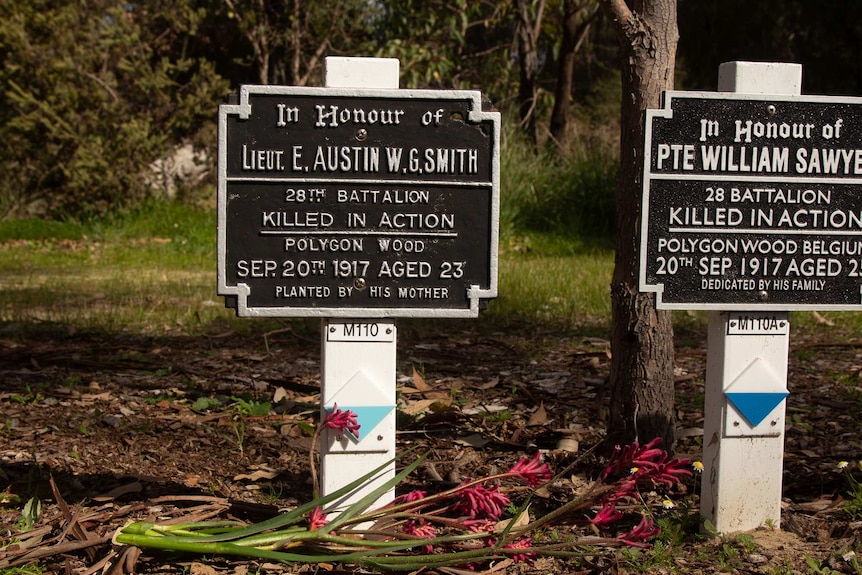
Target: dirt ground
[{"x": 108, "y": 428}]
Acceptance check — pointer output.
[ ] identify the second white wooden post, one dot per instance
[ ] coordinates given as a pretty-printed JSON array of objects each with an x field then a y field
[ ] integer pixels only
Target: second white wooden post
[{"x": 746, "y": 378}]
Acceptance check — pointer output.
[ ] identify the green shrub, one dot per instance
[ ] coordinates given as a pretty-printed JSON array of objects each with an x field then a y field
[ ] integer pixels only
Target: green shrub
[
  {"x": 569, "y": 195},
  {"x": 90, "y": 95}
]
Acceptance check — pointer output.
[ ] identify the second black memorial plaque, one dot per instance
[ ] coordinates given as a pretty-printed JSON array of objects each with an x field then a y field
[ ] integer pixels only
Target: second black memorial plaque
[
  {"x": 753, "y": 202},
  {"x": 357, "y": 203}
]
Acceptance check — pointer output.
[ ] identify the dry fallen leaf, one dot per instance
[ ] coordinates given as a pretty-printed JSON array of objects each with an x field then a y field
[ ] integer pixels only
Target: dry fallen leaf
[
  {"x": 419, "y": 406},
  {"x": 821, "y": 504},
  {"x": 521, "y": 520},
  {"x": 419, "y": 381},
  {"x": 257, "y": 475},
  {"x": 134, "y": 487},
  {"x": 484, "y": 408},
  {"x": 823, "y": 320},
  {"x": 490, "y": 384},
  {"x": 476, "y": 440},
  {"x": 539, "y": 417},
  {"x": 201, "y": 569}
]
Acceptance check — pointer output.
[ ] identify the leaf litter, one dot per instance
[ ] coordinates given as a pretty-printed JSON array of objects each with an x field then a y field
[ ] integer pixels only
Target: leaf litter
[{"x": 102, "y": 431}]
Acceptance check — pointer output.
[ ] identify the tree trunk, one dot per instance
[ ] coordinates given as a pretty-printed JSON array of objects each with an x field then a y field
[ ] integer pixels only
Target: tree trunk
[
  {"x": 573, "y": 36},
  {"x": 527, "y": 34},
  {"x": 257, "y": 31},
  {"x": 642, "y": 386}
]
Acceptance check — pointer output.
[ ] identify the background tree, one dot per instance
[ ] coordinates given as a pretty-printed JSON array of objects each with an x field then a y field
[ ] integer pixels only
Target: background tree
[
  {"x": 457, "y": 44},
  {"x": 642, "y": 386},
  {"x": 822, "y": 36},
  {"x": 528, "y": 26},
  {"x": 578, "y": 17},
  {"x": 288, "y": 39},
  {"x": 263, "y": 26},
  {"x": 91, "y": 93}
]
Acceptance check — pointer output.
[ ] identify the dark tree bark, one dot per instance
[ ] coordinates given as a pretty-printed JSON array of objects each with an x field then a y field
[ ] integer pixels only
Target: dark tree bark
[
  {"x": 578, "y": 16},
  {"x": 642, "y": 386},
  {"x": 527, "y": 28}
]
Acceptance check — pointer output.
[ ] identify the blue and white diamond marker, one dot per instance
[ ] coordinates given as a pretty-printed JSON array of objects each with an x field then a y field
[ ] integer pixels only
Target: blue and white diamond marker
[
  {"x": 756, "y": 392},
  {"x": 755, "y": 406},
  {"x": 368, "y": 416},
  {"x": 364, "y": 397}
]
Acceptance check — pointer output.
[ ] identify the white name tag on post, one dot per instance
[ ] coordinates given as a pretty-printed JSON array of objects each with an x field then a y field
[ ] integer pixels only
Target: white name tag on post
[
  {"x": 360, "y": 331},
  {"x": 757, "y": 324}
]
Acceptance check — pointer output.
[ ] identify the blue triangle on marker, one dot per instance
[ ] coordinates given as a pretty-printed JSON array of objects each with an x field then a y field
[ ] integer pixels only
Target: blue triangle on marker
[
  {"x": 368, "y": 416},
  {"x": 756, "y": 406}
]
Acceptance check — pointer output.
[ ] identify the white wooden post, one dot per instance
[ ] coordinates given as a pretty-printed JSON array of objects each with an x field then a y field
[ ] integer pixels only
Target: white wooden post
[
  {"x": 358, "y": 374},
  {"x": 358, "y": 356},
  {"x": 746, "y": 376}
]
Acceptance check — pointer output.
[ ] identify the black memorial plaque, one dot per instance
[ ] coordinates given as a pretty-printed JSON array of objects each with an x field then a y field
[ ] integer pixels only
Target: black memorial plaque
[
  {"x": 753, "y": 202},
  {"x": 357, "y": 203}
]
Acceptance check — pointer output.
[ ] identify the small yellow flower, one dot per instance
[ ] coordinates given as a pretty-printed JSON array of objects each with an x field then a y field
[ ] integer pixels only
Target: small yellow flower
[
  {"x": 634, "y": 470},
  {"x": 697, "y": 466},
  {"x": 668, "y": 504},
  {"x": 843, "y": 464}
]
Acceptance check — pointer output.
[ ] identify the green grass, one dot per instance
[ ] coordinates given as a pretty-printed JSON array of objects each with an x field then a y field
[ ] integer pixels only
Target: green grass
[
  {"x": 156, "y": 273},
  {"x": 149, "y": 271},
  {"x": 34, "y": 569},
  {"x": 30, "y": 229},
  {"x": 153, "y": 271},
  {"x": 542, "y": 280}
]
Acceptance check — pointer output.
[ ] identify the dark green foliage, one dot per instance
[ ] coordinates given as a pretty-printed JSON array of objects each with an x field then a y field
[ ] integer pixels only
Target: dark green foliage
[
  {"x": 822, "y": 35},
  {"x": 444, "y": 44},
  {"x": 284, "y": 41},
  {"x": 92, "y": 93},
  {"x": 577, "y": 199},
  {"x": 568, "y": 196}
]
